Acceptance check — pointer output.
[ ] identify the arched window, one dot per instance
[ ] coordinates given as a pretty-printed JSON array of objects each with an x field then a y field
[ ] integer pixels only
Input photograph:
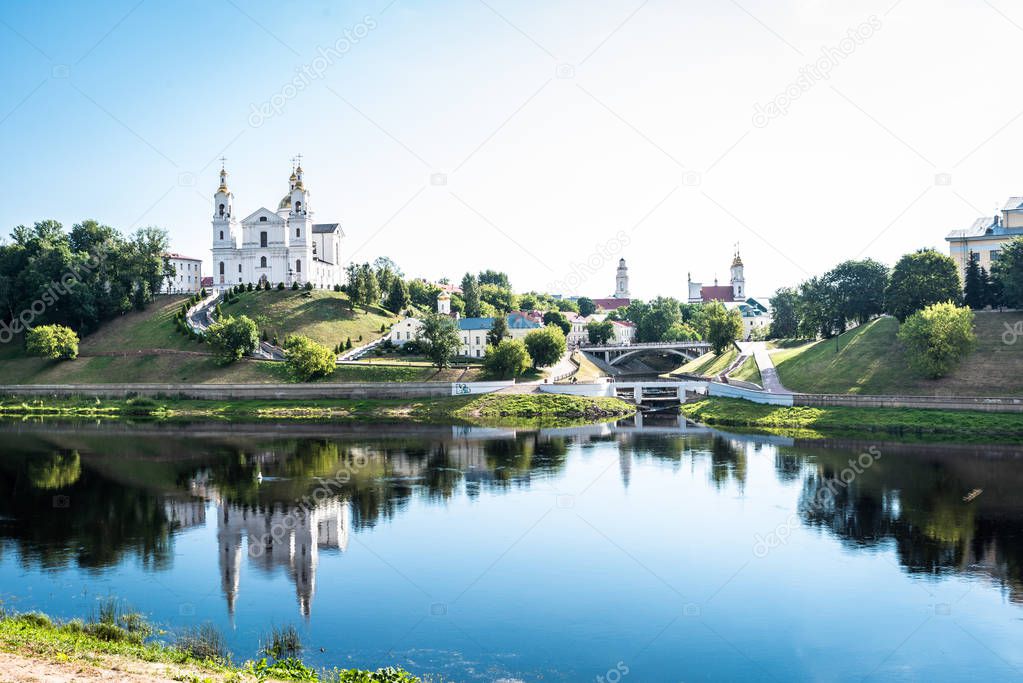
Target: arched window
[
  {"x": 221, "y": 267},
  {"x": 221, "y": 209},
  {"x": 298, "y": 207},
  {"x": 221, "y": 234},
  {"x": 262, "y": 262},
  {"x": 298, "y": 266}
]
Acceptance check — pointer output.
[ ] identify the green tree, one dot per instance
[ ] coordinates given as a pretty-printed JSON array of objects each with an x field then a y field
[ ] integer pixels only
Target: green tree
[
  {"x": 232, "y": 337},
  {"x": 546, "y": 346},
  {"x": 471, "y": 296},
  {"x": 600, "y": 332},
  {"x": 859, "y": 288},
  {"x": 785, "y": 319},
  {"x": 439, "y": 335},
  {"x": 424, "y": 294},
  {"x": 507, "y": 360},
  {"x": 1007, "y": 272},
  {"x": 493, "y": 277},
  {"x": 586, "y": 306},
  {"x": 975, "y": 285},
  {"x": 662, "y": 313},
  {"x": 724, "y": 326},
  {"x": 681, "y": 332},
  {"x": 398, "y": 298},
  {"x": 937, "y": 337},
  {"x": 307, "y": 359},
  {"x": 557, "y": 318},
  {"x": 498, "y": 331},
  {"x": 501, "y": 298},
  {"x": 56, "y": 342},
  {"x": 920, "y": 279}
]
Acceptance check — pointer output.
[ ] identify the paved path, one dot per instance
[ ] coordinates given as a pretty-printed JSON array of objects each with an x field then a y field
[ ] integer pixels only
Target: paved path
[{"x": 768, "y": 373}]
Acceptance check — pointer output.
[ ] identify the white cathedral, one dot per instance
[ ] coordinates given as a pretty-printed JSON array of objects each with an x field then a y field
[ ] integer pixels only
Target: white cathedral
[{"x": 282, "y": 246}]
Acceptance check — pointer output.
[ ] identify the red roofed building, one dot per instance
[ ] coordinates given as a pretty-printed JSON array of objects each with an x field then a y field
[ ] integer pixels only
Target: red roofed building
[
  {"x": 611, "y": 304},
  {"x": 734, "y": 291}
]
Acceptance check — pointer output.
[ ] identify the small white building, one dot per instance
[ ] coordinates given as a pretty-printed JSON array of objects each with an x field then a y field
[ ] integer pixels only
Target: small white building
[
  {"x": 187, "y": 278},
  {"x": 471, "y": 331}
]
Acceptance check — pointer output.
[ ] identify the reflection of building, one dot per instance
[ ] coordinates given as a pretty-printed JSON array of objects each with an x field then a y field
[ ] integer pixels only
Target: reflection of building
[
  {"x": 280, "y": 537},
  {"x": 184, "y": 514}
]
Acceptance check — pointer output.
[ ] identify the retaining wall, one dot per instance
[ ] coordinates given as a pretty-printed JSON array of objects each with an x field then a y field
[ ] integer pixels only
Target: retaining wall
[
  {"x": 986, "y": 404},
  {"x": 732, "y": 391}
]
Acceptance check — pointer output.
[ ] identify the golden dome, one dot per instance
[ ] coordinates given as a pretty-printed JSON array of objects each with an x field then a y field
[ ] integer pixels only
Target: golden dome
[
  {"x": 736, "y": 261},
  {"x": 293, "y": 176},
  {"x": 285, "y": 203}
]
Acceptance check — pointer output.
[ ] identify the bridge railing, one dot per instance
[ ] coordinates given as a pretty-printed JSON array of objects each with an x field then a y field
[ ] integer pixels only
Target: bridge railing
[{"x": 645, "y": 345}]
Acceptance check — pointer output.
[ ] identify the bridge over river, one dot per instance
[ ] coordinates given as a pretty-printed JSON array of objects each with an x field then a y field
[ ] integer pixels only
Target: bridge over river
[{"x": 613, "y": 354}]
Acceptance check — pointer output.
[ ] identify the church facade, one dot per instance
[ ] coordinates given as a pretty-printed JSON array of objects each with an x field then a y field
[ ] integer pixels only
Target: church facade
[{"x": 274, "y": 246}]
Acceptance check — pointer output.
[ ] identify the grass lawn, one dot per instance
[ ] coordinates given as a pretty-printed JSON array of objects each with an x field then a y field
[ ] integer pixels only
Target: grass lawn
[
  {"x": 870, "y": 360},
  {"x": 708, "y": 364},
  {"x": 321, "y": 315},
  {"x": 748, "y": 372},
  {"x": 962, "y": 424}
]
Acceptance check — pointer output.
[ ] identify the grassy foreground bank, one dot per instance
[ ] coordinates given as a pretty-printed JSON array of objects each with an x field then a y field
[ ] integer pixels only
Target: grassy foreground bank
[
  {"x": 122, "y": 646},
  {"x": 482, "y": 409},
  {"x": 968, "y": 425}
]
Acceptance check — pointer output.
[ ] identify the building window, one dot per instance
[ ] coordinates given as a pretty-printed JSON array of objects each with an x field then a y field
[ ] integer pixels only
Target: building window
[
  {"x": 239, "y": 270},
  {"x": 298, "y": 266},
  {"x": 221, "y": 234},
  {"x": 262, "y": 239},
  {"x": 221, "y": 267},
  {"x": 975, "y": 257},
  {"x": 298, "y": 207},
  {"x": 262, "y": 219},
  {"x": 221, "y": 209},
  {"x": 298, "y": 232},
  {"x": 262, "y": 262}
]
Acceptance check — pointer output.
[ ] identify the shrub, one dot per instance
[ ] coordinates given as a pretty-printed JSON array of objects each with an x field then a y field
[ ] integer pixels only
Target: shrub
[
  {"x": 414, "y": 347},
  {"x": 232, "y": 338},
  {"x": 281, "y": 642},
  {"x": 507, "y": 360},
  {"x": 56, "y": 342},
  {"x": 204, "y": 642},
  {"x": 937, "y": 338},
  {"x": 309, "y": 286},
  {"x": 306, "y": 359},
  {"x": 337, "y": 288},
  {"x": 280, "y": 286},
  {"x": 140, "y": 406},
  {"x": 294, "y": 286}
]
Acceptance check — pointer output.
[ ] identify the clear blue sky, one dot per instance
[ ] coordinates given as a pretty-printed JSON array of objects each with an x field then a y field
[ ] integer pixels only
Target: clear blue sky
[{"x": 118, "y": 111}]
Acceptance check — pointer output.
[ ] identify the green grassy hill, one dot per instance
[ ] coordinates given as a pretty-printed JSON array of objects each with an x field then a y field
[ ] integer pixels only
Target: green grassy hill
[
  {"x": 708, "y": 364},
  {"x": 870, "y": 360},
  {"x": 323, "y": 316},
  {"x": 145, "y": 347}
]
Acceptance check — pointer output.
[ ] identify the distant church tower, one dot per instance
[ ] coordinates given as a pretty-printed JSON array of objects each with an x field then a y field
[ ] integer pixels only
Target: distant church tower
[
  {"x": 622, "y": 281},
  {"x": 738, "y": 281}
]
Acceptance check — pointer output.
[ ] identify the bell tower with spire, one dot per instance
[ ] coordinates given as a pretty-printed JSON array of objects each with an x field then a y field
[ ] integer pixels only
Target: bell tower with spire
[
  {"x": 622, "y": 281},
  {"x": 224, "y": 228},
  {"x": 301, "y": 251},
  {"x": 738, "y": 280}
]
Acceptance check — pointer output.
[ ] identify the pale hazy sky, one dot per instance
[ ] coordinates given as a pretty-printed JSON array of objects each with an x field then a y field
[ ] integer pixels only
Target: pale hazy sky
[{"x": 556, "y": 126}]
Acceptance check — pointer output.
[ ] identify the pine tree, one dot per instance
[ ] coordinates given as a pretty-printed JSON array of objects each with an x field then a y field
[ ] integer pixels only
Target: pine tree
[
  {"x": 975, "y": 285},
  {"x": 471, "y": 295}
]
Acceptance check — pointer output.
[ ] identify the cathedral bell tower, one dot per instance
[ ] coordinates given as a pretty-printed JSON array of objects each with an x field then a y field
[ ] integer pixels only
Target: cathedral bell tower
[
  {"x": 622, "y": 281},
  {"x": 223, "y": 230},
  {"x": 738, "y": 280},
  {"x": 301, "y": 247}
]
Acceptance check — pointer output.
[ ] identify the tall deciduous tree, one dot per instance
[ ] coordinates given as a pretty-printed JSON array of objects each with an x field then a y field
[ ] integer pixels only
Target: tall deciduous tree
[
  {"x": 785, "y": 318},
  {"x": 439, "y": 336},
  {"x": 600, "y": 332},
  {"x": 586, "y": 306},
  {"x": 498, "y": 331},
  {"x": 231, "y": 338},
  {"x": 546, "y": 346},
  {"x": 507, "y": 360},
  {"x": 557, "y": 318},
  {"x": 723, "y": 326},
  {"x": 920, "y": 279}
]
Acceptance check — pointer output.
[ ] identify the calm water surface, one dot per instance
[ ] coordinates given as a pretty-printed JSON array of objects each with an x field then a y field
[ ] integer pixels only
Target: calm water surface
[{"x": 608, "y": 553}]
